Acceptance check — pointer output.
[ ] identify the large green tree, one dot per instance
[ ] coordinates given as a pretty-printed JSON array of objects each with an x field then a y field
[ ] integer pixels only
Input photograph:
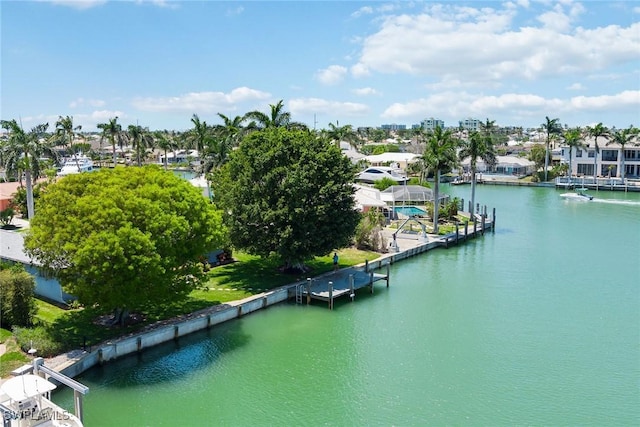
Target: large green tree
[
  {"x": 124, "y": 238},
  {"x": 24, "y": 151},
  {"x": 287, "y": 193},
  {"x": 478, "y": 146},
  {"x": 439, "y": 155}
]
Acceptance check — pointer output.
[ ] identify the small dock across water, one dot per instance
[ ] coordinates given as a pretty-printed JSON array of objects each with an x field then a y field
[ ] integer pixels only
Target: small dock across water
[{"x": 340, "y": 283}]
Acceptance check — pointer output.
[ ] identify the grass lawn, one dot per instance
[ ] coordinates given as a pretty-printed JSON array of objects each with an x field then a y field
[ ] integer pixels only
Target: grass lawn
[
  {"x": 13, "y": 357},
  {"x": 247, "y": 276}
]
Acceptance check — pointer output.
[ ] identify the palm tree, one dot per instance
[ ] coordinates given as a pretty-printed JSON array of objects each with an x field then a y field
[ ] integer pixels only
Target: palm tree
[
  {"x": 277, "y": 118},
  {"x": 622, "y": 138},
  {"x": 573, "y": 139},
  {"x": 479, "y": 145},
  {"x": 140, "y": 139},
  {"x": 24, "y": 150},
  {"x": 200, "y": 137},
  {"x": 225, "y": 137},
  {"x": 112, "y": 130},
  {"x": 596, "y": 132},
  {"x": 165, "y": 141},
  {"x": 551, "y": 127},
  {"x": 338, "y": 133},
  {"x": 439, "y": 155},
  {"x": 65, "y": 134}
]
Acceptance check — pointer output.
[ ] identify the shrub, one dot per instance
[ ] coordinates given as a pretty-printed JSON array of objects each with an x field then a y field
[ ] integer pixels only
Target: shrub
[
  {"x": 37, "y": 338},
  {"x": 6, "y": 216},
  {"x": 16, "y": 297},
  {"x": 384, "y": 183},
  {"x": 368, "y": 232}
]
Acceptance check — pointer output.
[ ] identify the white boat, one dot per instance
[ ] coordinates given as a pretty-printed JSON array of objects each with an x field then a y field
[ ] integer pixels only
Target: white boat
[
  {"x": 25, "y": 402},
  {"x": 580, "y": 195},
  {"x": 76, "y": 164}
]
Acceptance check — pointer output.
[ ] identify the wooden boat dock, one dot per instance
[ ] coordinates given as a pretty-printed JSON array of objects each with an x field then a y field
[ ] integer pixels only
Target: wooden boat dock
[{"x": 339, "y": 283}]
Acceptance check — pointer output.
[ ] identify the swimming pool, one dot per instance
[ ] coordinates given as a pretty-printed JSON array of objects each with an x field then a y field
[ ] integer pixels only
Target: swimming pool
[{"x": 409, "y": 211}]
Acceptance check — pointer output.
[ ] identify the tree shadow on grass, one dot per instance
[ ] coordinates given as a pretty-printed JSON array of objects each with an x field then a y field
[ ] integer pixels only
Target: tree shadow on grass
[{"x": 255, "y": 275}]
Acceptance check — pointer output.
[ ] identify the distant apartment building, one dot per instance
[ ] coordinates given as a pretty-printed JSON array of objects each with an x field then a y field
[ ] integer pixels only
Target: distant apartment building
[
  {"x": 393, "y": 127},
  {"x": 608, "y": 161},
  {"x": 431, "y": 124},
  {"x": 470, "y": 124}
]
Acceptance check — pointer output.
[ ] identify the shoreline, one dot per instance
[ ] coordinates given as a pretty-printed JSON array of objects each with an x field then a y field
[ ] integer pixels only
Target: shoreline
[{"x": 75, "y": 362}]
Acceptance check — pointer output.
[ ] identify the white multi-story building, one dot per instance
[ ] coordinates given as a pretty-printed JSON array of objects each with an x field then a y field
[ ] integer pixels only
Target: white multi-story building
[
  {"x": 470, "y": 124},
  {"x": 608, "y": 161},
  {"x": 431, "y": 124}
]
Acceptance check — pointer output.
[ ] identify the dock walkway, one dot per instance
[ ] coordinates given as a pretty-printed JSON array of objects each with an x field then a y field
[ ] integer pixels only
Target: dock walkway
[{"x": 339, "y": 283}]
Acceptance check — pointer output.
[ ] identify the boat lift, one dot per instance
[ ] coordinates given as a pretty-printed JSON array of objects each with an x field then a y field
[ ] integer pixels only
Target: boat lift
[{"x": 421, "y": 236}]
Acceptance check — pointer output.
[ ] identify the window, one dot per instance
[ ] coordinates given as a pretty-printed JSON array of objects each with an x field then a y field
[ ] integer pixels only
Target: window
[
  {"x": 591, "y": 154},
  {"x": 610, "y": 155},
  {"x": 578, "y": 152}
]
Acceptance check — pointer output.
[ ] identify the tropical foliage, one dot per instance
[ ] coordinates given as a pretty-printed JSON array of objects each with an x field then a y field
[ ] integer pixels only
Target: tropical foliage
[
  {"x": 551, "y": 127},
  {"x": 287, "y": 193},
  {"x": 22, "y": 152},
  {"x": 439, "y": 156},
  {"x": 124, "y": 238},
  {"x": 596, "y": 132},
  {"x": 480, "y": 145},
  {"x": 16, "y": 297}
]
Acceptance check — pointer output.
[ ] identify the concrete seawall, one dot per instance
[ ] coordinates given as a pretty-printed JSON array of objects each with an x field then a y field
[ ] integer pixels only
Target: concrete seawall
[{"x": 75, "y": 362}]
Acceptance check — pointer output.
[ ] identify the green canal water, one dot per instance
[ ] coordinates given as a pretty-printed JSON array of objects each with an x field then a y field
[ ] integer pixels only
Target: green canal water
[{"x": 537, "y": 324}]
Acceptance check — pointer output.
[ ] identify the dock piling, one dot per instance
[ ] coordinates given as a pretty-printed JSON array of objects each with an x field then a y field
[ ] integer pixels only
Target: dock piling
[
  {"x": 330, "y": 295},
  {"x": 352, "y": 292}
]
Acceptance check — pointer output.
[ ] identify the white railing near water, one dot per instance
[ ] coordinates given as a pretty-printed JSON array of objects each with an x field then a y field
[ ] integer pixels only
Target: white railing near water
[{"x": 613, "y": 183}]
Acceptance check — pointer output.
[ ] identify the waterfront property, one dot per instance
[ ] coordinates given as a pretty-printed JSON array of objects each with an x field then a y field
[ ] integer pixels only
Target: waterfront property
[
  {"x": 498, "y": 331},
  {"x": 606, "y": 160}
]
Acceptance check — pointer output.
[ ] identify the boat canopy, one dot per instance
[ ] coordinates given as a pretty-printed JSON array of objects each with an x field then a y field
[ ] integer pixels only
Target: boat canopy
[{"x": 26, "y": 386}]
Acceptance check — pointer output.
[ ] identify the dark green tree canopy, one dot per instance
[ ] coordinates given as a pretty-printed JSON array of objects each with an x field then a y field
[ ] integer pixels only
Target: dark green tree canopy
[
  {"x": 124, "y": 238},
  {"x": 288, "y": 193}
]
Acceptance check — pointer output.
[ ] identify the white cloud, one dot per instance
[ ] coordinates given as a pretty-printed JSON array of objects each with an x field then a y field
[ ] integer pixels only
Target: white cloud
[
  {"x": 360, "y": 70},
  {"x": 167, "y": 4},
  {"x": 331, "y": 75},
  {"x": 465, "y": 43},
  {"x": 235, "y": 11},
  {"x": 456, "y": 105},
  {"x": 306, "y": 106},
  {"x": 576, "y": 86},
  {"x": 365, "y": 91},
  {"x": 205, "y": 102},
  {"x": 81, "y": 102},
  {"x": 365, "y": 10},
  {"x": 622, "y": 100},
  {"x": 79, "y": 4}
]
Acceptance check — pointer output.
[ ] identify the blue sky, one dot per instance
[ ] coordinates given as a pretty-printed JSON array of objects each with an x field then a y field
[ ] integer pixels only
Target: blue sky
[{"x": 156, "y": 63}]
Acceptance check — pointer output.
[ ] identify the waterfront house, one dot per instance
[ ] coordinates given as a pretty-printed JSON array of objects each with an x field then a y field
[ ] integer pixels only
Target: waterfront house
[
  {"x": 505, "y": 165},
  {"x": 607, "y": 160}
]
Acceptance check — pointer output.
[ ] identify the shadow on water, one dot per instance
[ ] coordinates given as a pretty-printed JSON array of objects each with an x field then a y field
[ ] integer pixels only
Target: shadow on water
[{"x": 170, "y": 361}]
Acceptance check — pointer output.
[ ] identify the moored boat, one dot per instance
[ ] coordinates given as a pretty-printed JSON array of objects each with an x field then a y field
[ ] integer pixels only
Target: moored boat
[
  {"x": 25, "y": 402},
  {"x": 77, "y": 163}
]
